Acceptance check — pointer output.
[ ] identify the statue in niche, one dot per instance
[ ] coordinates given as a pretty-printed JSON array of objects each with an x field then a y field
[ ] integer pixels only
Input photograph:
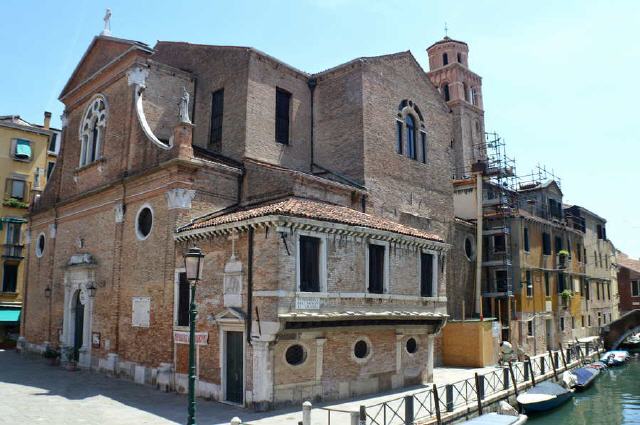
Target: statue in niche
[{"x": 184, "y": 107}]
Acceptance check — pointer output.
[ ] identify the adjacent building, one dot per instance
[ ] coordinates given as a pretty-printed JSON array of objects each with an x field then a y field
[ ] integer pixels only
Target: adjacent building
[
  {"x": 628, "y": 282},
  {"x": 323, "y": 203},
  {"x": 27, "y": 152}
]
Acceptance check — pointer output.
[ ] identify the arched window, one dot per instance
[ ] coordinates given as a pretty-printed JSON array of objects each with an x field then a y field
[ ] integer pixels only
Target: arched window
[
  {"x": 411, "y": 136},
  {"x": 445, "y": 92},
  {"x": 445, "y": 59},
  {"x": 92, "y": 130},
  {"x": 466, "y": 92}
]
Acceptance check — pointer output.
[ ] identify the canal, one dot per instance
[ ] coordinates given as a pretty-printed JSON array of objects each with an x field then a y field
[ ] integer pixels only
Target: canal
[{"x": 613, "y": 399}]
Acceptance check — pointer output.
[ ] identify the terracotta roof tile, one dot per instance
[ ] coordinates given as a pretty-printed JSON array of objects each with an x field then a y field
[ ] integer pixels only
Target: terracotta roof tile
[
  {"x": 625, "y": 261},
  {"x": 316, "y": 210}
]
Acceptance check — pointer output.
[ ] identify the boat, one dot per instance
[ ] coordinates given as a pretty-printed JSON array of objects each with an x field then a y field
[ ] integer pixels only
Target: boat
[
  {"x": 615, "y": 357},
  {"x": 497, "y": 419},
  {"x": 584, "y": 377},
  {"x": 597, "y": 365},
  {"x": 544, "y": 396},
  {"x": 632, "y": 342}
]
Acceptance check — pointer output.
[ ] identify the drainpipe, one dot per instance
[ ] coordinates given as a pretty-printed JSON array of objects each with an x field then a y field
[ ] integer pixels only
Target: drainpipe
[
  {"x": 312, "y": 82},
  {"x": 249, "y": 283}
]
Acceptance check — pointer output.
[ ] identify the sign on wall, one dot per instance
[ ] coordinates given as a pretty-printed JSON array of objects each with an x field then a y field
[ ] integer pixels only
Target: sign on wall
[
  {"x": 141, "y": 309},
  {"x": 182, "y": 337}
]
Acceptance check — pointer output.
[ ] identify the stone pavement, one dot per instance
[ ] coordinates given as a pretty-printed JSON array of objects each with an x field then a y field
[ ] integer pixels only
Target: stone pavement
[{"x": 33, "y": 392}]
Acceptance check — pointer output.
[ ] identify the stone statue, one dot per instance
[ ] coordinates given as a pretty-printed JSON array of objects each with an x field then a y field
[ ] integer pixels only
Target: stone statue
[
  {"x": 107, "y": 23},
  {"x": 184, "y": 107}
]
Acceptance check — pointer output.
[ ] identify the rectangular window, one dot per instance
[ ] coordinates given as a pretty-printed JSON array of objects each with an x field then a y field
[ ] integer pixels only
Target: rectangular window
[
  {"x": 609, "y": 291},
  {"x": 21, "y": 150},
  {"x": 502, "y": 282},
  {"x": 376, "y": 268},
  {"x": 50, "y": 166},
  {"x": 423, "y": 146},
  {"x": 560, "y": 282},
  {"x": 579, "y": 252},
  {"x": 53, "y": 143},
  {"x": 573, "y": 322},
  {"x": 599, "y": 231},
  {"x": 598, "y": 290},
  {"x": 499, "y": 243},
  {"x": 546, "y": 244},
  {"x": 217, "y": 107},
  {"x": 569, "y": 246},
  {"x": 558, "y": 244},
  {"x": 9, "y": 277},
  {"x": 283, "y": 109},
  {"x": 547, "y": 285},
  {"x": 587, "y": 289},
  {"x": 16, "y": 188},
  {"x": 584, "y": 255},
  {"x": 427, "y": 287},
  {"x": 182, "y": 314},
  {"x": 529, "y": 284},
  {"x": 526, "y": 239},
  {"x": 635, "y": 288},
  {"x": 309, "y": 264},
  {"x": 582, "y": 322},
  {"x": 530, "y": 328},
  {"x": 13, "y": 234},
  {"x": 399, "y": 129},
  {"x": 589, "y": 319},
  {"x": 562, "y": 324}
]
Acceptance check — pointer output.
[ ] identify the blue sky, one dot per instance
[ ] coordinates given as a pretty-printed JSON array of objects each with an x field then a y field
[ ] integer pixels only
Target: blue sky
[{"x": 558, "y": 76}]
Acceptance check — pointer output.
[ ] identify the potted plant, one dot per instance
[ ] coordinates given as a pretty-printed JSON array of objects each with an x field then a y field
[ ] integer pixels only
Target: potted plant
[
  {"x": 566, "y": 297},
  {"x": 70, "y": 358},
  {"x": 563, "y": 254},
  {"x": 51, "y": 356}
]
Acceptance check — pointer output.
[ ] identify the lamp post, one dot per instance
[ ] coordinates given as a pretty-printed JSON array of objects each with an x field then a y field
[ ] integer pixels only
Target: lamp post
[{"x": 193, "y": 267}]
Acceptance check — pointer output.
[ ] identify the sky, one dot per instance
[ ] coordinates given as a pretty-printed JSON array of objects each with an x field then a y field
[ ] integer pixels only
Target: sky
[{"x": 558, "y": 76}]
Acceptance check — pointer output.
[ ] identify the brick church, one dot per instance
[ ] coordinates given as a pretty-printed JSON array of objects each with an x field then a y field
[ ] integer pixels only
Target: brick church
[{"x": 323, "y": 203}]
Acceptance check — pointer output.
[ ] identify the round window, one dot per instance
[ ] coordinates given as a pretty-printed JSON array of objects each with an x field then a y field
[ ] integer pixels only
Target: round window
[
  {"x": 144, "y": 222},
  {"x": 469, "y": 250},
  {"x": 412, "y": 345},
  {"x": 40, "y": 245},
  {"x": 295, "y": 355},
  {"x": 361, "y": 349}
]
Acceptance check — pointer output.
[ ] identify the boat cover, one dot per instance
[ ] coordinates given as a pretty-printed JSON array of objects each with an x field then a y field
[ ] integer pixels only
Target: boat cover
[
  {"x": 494, "y": 419},
  {"x": 584, "y": 374},
  {"x": 542, "y": 392}
]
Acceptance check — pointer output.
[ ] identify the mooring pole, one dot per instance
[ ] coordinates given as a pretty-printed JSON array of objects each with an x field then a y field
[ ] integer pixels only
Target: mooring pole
[
  {"x": 553, "y": 365},
  {"x": 513, "y": 378}
]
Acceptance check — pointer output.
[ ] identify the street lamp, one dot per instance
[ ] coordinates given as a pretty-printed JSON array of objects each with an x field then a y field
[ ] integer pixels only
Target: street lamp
[{"x": 193, "y": 267}]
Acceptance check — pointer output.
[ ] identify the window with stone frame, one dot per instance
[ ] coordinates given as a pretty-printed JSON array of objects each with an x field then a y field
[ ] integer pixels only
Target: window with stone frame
[
  {"x": 283, "y": 111},
  {"x": 428, "y": 276},
  {"x": 530, "y": 328},
  {"x": 9, "y": 277},
  {"x": 217, "y": 109},
  {"x": 635, "y": 288},
  {"x": 182, "y": 303},
  {"x": 92, "y": 131},
  {"x": 310, "y": 263},
  {"x": 376, "y": 268},
  {"x": 17, "y": 187},
  {"x": 411, "y": 134},
  {"x": 529, "y": 283}
]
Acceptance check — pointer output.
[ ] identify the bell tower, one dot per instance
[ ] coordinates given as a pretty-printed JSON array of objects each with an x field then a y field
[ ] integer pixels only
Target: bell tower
[{"x": 462, "y": 90}]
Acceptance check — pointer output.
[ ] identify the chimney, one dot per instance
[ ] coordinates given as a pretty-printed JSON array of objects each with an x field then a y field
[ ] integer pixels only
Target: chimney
[{"x": 47, "y": 120}]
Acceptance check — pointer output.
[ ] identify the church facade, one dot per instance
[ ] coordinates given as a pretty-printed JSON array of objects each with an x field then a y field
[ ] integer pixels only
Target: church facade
[{"x": 323, "y": 203}]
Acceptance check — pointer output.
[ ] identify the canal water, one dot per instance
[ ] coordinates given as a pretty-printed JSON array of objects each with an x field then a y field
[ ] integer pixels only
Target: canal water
[{"x": 612, "y": 400}]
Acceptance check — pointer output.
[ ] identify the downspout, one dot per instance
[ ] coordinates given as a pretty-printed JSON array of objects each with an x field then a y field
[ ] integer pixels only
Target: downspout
[
  {"x": 312, "y": 82},
  {"x": 249, "y": 284}
]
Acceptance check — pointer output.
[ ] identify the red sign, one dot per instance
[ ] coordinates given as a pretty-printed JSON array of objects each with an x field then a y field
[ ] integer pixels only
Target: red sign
[{"x": 182, "y": 337}]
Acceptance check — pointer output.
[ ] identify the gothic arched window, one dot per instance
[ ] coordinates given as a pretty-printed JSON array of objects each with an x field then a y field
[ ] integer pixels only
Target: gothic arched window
[
  {"x": 92, "y": 130},
  {"x": 411, "y": 136}
]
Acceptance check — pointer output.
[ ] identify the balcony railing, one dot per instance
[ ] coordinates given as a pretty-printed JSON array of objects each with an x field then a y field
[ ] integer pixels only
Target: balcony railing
[{"x": 12, "y": 251}]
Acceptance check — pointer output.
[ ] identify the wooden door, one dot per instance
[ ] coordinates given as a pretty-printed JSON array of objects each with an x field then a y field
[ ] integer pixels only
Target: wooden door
[
  {"x": 234, "y": 366},
  {"x": 79, "y": 327}
]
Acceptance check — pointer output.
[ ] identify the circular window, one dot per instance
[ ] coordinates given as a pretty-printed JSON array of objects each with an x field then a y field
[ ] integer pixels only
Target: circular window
[
  {"x": 144, "y": 222},
  {"x": 40, "y": 245},
  {"x": 295, "y": 355},
  {"x": 361, "y": 349},
  {"x": 469, "y": 249},
  {"x": 412, "y": 345}
]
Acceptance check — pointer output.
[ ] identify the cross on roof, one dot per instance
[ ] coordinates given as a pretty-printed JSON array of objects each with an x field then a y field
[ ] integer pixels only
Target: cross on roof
[
  {"x": 107, "y": 23},
  {"x": 446, "y": 30}
]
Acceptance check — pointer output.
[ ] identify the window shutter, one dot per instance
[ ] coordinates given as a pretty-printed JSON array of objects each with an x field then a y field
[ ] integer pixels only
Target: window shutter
[
  {"x": 183, "y": 300},
  {"x": 376, "y": 269},
  {"x": 426, "y": 275},
  {"x": 309, "y": 264}
]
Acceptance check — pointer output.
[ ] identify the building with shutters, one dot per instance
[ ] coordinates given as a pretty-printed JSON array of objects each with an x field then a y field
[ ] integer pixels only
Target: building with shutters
[
  {"x": 26, "y": 152},
  {"x": 323, "y": 203}
]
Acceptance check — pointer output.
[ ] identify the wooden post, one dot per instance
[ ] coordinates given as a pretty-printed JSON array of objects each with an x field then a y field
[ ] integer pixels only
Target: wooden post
[
  {"x": 553, "y": 365},
  {"x": 564, "y": 361},
  {"x": 463, "y": 315},
  {"x": 449, "y": 397},
  {"x": 436, "y": 399},
  {"x": 533, "y": 378},
  {"x": 542, "y": 366},
  {"x": 513, "y": 378},
  {"x": 408, "y": 410},
  {"x": 478, "y": 395},
  {"x": 363, "y": 415}
]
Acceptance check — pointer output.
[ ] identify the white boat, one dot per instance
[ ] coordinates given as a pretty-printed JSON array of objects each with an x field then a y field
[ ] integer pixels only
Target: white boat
[{"x": 497, "y": 419}]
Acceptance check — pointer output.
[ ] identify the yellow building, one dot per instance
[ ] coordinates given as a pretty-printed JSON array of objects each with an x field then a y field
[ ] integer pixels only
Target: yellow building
[{"x": 27, "y": 157}]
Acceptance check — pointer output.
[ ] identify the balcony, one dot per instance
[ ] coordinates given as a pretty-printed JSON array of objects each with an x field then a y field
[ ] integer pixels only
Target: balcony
[{"x": 13, "y": 251}]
